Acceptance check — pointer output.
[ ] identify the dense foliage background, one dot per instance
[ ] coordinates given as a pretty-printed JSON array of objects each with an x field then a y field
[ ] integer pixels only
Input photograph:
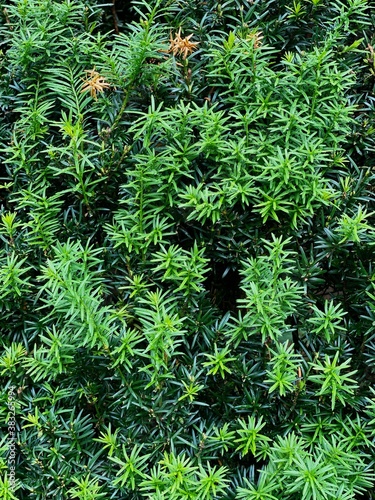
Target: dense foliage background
[{"x": 187, "y": 249}]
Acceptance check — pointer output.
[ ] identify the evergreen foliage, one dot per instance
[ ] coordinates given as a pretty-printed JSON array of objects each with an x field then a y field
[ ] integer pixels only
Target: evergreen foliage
[{"x": 187, "y": 249}]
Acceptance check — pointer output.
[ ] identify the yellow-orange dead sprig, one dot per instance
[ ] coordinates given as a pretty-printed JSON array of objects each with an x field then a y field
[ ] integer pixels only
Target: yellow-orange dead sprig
[
  {"x": 181, "y": 46},
  {"x": 94, "y": 83},
  {"x": 256, "y": 37}
]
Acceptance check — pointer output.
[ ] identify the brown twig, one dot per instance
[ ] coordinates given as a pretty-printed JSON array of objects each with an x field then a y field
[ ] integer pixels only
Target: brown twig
[
  {"x": 114, "y": 13},
  {"x": 7, "y": 20}
]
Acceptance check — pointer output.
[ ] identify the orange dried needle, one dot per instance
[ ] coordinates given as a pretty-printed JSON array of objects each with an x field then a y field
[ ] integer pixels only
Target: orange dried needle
[
  {"x": 181, "y": 46},
  {"x": 94, "y": 83}
]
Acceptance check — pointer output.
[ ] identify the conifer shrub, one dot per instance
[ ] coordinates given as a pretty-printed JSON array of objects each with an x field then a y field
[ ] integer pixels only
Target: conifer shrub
[{"x": 187, "y": 249}]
